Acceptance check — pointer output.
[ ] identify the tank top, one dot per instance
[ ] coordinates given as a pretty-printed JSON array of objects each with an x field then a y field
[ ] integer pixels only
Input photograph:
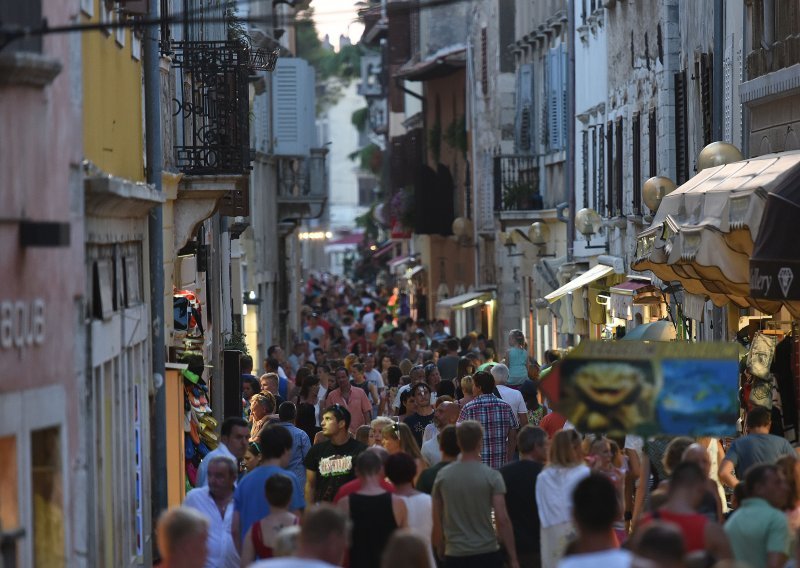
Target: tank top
[
  {"x": 517, "y": 367},
  {"x": 692, "y": 526},
  {"x": 262, "y": 550},
  {"x": 373, "y": 524}
]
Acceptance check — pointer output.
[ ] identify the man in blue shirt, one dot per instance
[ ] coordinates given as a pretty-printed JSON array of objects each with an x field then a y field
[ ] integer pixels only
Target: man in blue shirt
[
  {"x": 758, "y": 446},
  {"x": 249, "y": 499},
  {"x": 300, "y": 442}
]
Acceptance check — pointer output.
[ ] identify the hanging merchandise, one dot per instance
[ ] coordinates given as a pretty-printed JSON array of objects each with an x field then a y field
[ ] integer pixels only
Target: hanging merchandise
[
  {"x": 760, "y": 356},
  {"x": 187, "y": 313}
]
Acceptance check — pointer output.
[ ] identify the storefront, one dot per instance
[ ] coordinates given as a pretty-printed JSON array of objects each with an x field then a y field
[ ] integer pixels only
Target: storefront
[{"x": 471, "y": 311}]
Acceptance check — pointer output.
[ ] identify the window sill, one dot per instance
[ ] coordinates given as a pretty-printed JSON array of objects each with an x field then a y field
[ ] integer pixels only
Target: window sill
[{"x": 22, "y": 68}]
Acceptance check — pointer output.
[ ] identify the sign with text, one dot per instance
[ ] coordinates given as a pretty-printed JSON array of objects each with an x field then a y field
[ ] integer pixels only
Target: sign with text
[{"x": 648, "y": 388}]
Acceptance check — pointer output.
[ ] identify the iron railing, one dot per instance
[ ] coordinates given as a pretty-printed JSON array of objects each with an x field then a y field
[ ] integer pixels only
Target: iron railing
[{"x": 516, "y": 183}]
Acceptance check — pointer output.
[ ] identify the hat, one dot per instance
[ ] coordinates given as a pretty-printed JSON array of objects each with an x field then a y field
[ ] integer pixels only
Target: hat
[{"x": 340, "y": 412}]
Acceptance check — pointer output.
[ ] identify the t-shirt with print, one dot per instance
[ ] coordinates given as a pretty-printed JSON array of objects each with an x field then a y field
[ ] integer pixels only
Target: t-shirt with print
[
  {"x": 334, "y": 466},
  {"x": 417, "y": 423}
]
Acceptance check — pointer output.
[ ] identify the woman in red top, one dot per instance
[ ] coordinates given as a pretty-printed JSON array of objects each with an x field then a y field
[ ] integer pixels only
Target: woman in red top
[
  {"x": 260, "y": 540},
  {"x": 686, "y": 489}
]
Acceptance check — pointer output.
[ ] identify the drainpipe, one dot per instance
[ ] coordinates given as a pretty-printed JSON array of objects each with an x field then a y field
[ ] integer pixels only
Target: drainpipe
[
  {"x": 155, "y": 164},
  {"x": 570, "y": 164}
]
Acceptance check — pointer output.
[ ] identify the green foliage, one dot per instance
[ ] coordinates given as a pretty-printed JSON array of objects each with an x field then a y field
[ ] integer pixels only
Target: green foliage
[
  {"x": 369, "y": 158},
  {"x": 435, "y": 141},
  {"x": 344, "y": 64},
  {"x": 456, "y": 134},
  {"x": 236, "y": 29},
  {"x": 236, "y": 340},
  {"x": 368, "y": 223},
  {"x": 360, "y": 118}
]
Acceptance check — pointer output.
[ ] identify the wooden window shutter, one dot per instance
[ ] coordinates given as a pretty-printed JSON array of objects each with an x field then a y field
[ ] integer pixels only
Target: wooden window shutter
[
  {"x": 636, "y": 133},
  {"x": 585, "y": 172},
  {"x": 484, "y": 62},
  {"x": 681, "y": 134},
  {"x": 618, "y": 156},
  {"x": 706, "y": 73},
  {"x": 610, "y": 168},
  {"x": 600, "y": 200},
  {"x": 653, "y": 146}
]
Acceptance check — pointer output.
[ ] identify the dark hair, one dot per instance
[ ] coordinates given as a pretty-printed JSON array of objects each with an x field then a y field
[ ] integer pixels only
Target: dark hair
[
  {"x": 551, "y": 356},
  {"x": 308, "y": 384},
  {"x": 273, "y": 363},
  {"x": 465, "y": 342},
  {"x": 254, "y": 384},
  {"x": 321, "y": 522},
  {"x": 254, "y": 448},
  {"x": 357, "y": 366},
  {"x": 452, "y": 344},
  {"x": 405, "y": 395},
  {"x": 530, "y": 437},
  {"x": 393, "y": 374},
  {"x": 339, "y": 412},
  {"x": 485, "y": 381},
  {"x": 279, "y": 490},
  {"x": 307, "y": 419},
  {"x": 230, "y": 422},
  {"x": 287, "y": 411},
  {"x": 271, "y": 349},
  {"x": 463, "y": 365},
  {"x": 341, "y": 369},
  {"x": 246, "y": 363},
  {"x": 274, "y": 441},
  {"x": 418, "y": 386},
  {"x": 368, "y": 463},
  {"x": 302, "y": 374},
  {"x": 686, "y": 474},
  {"x": 755, "y": 476},
  {"x": 759, "y": 417},
  {"x": 448, "y": 441},
  {"x": 400, "y": 468},
  {"x": 595, "y": 505},
  {"x": 661, "y": 542}
]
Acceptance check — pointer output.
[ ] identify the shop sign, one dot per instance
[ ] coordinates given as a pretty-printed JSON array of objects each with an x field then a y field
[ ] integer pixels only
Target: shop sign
[{"x": 22, "y": 323}]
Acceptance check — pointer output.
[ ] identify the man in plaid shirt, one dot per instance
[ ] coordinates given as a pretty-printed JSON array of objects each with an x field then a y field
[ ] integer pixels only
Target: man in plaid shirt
[{"x": 500, "y": 423}]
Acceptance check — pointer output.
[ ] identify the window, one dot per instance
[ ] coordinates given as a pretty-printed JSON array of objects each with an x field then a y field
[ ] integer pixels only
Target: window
[
  {"x": 600, "y": 200},
  {"x": 618, "y": 157},
  {"x": 610, "y": 168},
  {"x": 9, "y": 497},
  {"x": 25, "y": 13},
  {"x": 586, "y": 158},
  {"x": 524, "y": 110},
  {"x": 48, "y": 498},
  {"x": 596, "y": 165},
  {"x": 704, "y": 69},
  {"x": 484, "y": 62}
]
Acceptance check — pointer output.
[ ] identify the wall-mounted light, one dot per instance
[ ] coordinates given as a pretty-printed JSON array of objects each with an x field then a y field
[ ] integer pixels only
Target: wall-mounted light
[
  {"x": 655, "y": 189},
  {"x": 718, "y": 154},
  {"x": 462, "y": 230},
  {"x": 539, "y": 235},
  {"x": 587, "y": 223},
  {"x": 508, "y": 242}
]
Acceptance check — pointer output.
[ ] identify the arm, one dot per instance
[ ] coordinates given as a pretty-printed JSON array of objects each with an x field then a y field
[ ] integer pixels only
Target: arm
[
  {"x": 504, "y": 530},
  {"x": 437, "y": 534},
  {"x": 726, "y": 475},
  {"x": 512, "y": 445},
  {"x": 374, "y": 393},
  {"x": 311, "y": 483},
  {"x": 718, "y": 545},
  {"x": 400, "y": 512},
  {"x": 523, "y": 418},
  {"x": 248, "y": 552},
  {"x": 641, "y": 493},
  {"x": 235, "y": 531}
]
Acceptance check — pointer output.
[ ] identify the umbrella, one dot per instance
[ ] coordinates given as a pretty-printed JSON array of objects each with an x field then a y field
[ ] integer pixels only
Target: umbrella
[{"x": 656, "y": 331}]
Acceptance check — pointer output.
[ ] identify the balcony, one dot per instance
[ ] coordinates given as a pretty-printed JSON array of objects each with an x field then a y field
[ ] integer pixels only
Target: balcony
[
  {"x": 302, "y": 186},
  {"x": 516, "y": 183}
]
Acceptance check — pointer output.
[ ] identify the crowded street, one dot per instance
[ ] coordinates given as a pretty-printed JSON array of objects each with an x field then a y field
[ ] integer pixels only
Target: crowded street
[{"x": 399, "y": 283}]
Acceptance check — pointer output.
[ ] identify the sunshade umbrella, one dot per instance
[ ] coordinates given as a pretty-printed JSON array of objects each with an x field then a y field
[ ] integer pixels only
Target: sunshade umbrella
[{"x": 656, "y": 331}]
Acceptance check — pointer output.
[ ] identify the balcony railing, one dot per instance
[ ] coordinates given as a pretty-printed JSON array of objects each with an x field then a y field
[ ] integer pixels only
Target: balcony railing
[
  {"x": 516, "y": 183},
  {"x": 303, "y": 185}
]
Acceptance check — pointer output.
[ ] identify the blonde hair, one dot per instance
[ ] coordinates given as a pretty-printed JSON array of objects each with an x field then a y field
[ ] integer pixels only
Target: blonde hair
[
  {"x": 381, "y": 422},
  {"x": 408, "y": 444},
  {"x": 350, "y": 360},
  {"x": 564, "y": 449},
  {"x": 466, "y": 384}
]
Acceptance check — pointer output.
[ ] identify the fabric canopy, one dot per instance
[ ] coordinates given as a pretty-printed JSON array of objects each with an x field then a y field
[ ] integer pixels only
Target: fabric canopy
[
  {"x": 595, "y": 273},
  {"x": 775, "y": 263},
  {"x": 467, "y": 300},
  {"x": 703, "y": 232}
]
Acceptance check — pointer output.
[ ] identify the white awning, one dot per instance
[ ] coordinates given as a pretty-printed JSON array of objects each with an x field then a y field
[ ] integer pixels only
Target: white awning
[
  {"x": 464, "y": 301},
  {"x": 595, "y": 273},
  {"x": 414, "y": 271}
]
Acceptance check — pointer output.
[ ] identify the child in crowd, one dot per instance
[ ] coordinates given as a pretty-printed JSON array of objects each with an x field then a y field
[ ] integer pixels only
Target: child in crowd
[{"x": 261, "y": 539}]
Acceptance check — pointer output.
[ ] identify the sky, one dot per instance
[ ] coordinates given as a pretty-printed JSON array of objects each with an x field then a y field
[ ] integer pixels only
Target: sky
[{"x": 336, "y": 17}]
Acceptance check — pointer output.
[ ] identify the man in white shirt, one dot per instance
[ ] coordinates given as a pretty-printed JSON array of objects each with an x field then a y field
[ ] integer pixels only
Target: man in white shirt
[
  {"x": 233, "y": 440},
  {"x": 512, "y": 396},
  {"x": 215, "y": 501},
  {"x": 322, "y": 542},
  {"x": 446, "y": 413}
]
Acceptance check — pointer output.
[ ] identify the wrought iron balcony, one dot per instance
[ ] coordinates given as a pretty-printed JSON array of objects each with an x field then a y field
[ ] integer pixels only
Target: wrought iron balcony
[
  {"x": 516, "y": 183},
  {"x": 212, "y": 105}
]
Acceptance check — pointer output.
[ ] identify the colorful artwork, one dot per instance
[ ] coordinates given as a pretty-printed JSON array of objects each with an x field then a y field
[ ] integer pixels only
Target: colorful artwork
[{"x": 648, "y": 388}]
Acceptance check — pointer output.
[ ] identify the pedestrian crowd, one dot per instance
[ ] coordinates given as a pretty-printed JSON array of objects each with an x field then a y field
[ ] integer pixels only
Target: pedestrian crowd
[{"x": 384, "y": 442}]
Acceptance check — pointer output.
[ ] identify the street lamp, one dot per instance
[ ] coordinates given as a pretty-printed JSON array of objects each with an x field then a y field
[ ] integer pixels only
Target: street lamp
[
  {"x": 587, "y": 223},
  {"x": 654, "y": 190},
  {"x": 718, "y": 154},
  {"x": 462, "y": 230},
  {"x": 539, "y": 235}
]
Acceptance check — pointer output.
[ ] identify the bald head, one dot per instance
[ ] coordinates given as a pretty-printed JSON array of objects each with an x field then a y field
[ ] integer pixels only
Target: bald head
[
  {"x": 696, "y": 453},
  {"x": 447, "y": 413}
]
